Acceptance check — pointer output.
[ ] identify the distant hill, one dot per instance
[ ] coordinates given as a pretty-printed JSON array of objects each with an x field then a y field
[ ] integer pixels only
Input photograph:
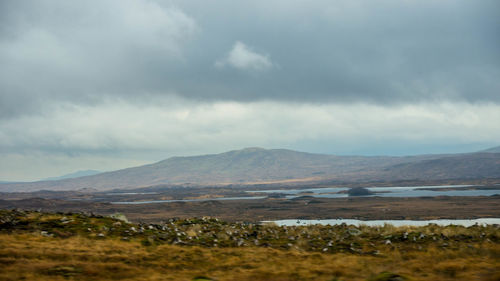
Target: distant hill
[
  {"x": 257, "y": 165},
  {"x": 461, "y": 166},
  {"x": 495, "y": 149},
  {"x": 77, "y": 174}
]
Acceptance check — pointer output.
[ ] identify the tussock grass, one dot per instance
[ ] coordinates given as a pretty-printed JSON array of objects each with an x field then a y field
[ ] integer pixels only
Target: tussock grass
[
  {"x": 29, "y": 257},
  {"x": 356, "y": 253}
]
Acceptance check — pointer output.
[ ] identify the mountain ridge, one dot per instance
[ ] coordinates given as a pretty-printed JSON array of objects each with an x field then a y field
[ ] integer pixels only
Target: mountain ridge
[
  {"x": 258, "y": 165},
  {"x": 495, "y": 149},
  {"x": 77, "y": 174}
]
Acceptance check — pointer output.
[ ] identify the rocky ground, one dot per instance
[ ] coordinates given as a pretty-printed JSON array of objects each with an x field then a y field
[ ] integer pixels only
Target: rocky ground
[{"x": 40, "y": 231}]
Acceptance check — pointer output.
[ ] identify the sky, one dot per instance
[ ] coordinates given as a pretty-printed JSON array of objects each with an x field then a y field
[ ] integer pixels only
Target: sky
[{"x": 112, "y": 84}]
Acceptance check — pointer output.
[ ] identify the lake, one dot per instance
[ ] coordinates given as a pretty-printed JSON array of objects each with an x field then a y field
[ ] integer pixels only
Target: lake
[
  {"x": 397, "y": 191},
  {"x": 332, "y": 192},
  {"x": 188, "y": 200},
  {"x": 442, "y": 222}
]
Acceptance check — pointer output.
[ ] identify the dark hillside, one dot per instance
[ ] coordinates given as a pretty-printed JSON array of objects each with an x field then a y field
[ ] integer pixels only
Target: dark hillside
[{"x": 257, "y": 165}]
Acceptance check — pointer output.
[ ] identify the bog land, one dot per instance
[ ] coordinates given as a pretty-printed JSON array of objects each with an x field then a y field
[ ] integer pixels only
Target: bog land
[
  {"x": 75, "y": 246},
  {"x": 64, "y": 235}
]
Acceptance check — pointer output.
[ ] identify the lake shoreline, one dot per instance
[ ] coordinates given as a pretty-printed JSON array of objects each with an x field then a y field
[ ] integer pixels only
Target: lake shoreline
[
  {"x": 361, "y": 208},
  {"x": 396, "y": 223}
]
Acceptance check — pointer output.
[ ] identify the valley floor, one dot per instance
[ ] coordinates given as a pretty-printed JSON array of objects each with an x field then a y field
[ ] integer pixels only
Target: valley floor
[{"x": 364, "y": 208}]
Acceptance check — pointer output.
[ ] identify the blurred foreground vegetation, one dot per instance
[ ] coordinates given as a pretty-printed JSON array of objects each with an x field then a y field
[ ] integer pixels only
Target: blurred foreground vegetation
[{"x": 74, "y": 246}]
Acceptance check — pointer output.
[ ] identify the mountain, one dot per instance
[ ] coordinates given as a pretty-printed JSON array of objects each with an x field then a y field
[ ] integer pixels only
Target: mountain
[
  {"x": 495, "y": 149},
  {"x": 77, "y": 174},
  {"x": 461, "y": 166},
  {"x": 257, "y": 165}
]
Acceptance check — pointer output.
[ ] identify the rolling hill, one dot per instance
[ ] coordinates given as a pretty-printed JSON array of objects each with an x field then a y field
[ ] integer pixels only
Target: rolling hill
[
  {"x": 76, "y": 174},
  {"x": 495, "y": 149},
  {"x": 257, "y": 165}
]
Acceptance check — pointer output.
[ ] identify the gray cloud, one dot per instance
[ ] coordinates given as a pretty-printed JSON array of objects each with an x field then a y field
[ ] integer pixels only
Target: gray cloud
[
  {"x": 343, "y": 51},
  {"x": 83, "y": 51},
  {"x": 116, "y": 83},
  {"x": 116, "y": 134}
]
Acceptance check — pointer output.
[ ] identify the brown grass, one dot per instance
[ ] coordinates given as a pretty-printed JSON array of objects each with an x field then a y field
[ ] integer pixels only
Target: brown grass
[{"x": 33, "y": 257}]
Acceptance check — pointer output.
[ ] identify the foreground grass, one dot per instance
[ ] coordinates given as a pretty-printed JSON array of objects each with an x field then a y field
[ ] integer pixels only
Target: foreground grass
[{"x": 36, "y": 246}]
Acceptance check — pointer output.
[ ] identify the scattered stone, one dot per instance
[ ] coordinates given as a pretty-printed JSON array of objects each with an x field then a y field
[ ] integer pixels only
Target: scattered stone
[
  {"x": 354, "y": 231},
  {"x": 210, "y": 233},
  {"x": 120, "y": 217}
]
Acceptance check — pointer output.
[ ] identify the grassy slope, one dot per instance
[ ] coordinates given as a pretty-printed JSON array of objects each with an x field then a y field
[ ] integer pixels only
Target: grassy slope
[
  {"x": 239, "y": 166},
  {"x": 68, "y": 250}
]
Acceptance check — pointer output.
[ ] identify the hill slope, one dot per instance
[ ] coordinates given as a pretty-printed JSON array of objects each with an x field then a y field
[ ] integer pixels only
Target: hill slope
[
  {"x": 76, "y": 174},
  {"x": 257, "y": 165},
  {"x": 495, "y": 149},
  {"x": 462, "y": 166}
]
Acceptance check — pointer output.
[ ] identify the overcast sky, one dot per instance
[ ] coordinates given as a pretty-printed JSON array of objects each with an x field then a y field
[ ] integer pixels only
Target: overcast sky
[{"x": 112, "y": 84}]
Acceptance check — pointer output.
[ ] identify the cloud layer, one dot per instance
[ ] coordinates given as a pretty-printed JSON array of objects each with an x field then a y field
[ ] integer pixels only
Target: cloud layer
[
  {"x": 385, "y": 52},
  {"x": 135, "y": 80},
  {"x": 122, "y": 134}
]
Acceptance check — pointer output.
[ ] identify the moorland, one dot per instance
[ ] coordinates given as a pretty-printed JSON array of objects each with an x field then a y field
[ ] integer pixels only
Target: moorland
[
  {"x": 202, "y": 218},
  {"x": 75, "y": 246}
]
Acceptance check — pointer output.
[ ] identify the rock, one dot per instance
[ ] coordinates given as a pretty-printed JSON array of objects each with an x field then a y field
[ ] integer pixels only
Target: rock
[
  {"x": 119, "y": 216},
  {"x": 354, "y": 231}
]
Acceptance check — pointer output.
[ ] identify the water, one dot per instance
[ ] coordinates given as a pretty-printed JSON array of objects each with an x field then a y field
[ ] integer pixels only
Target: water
[
  {"x": 397, "y": 191},
  {"x": 130, "y": 193},
  {"x": 442, "y": 222},
  {"x": 297, "y": 191},
  {"x": 332, "y": 192},
  {"x": 188, "y": 200}
]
